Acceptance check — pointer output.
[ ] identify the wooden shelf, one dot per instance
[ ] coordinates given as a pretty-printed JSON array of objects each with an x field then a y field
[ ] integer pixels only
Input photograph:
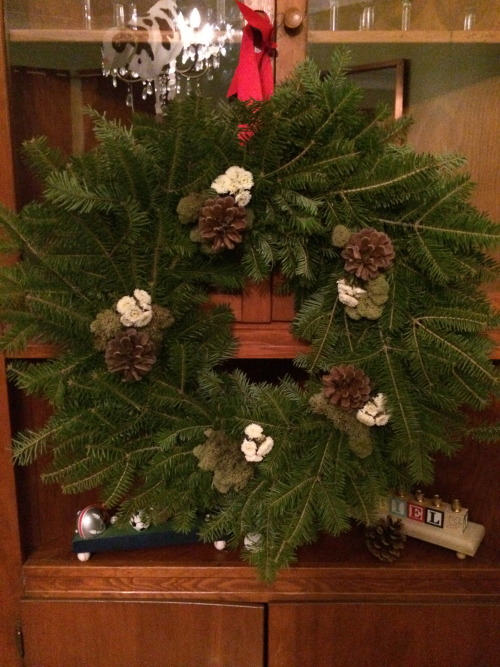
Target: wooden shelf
[
  {"x": 403, "y": 37},
  {"x": 314, "y": 36},
  {"x": 255, "y": 342},
  {"x": 333, "y": 569},
  {"x": 272, "y": 341},
  {"x": 79, "y": 35}
]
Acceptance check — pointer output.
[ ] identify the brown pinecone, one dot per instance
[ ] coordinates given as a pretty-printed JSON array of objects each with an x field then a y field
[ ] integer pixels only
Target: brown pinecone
[
  {"x": 130, "y": 353},
  {"x": 346, "y": 386},
  {"x": 386, "y": 539},
  {"x": 367, "y": 253},
  {"x": 221, "y": 221}
]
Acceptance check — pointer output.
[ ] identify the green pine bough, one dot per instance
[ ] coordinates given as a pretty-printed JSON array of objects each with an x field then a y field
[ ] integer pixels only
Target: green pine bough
[{"x": 380, "y": 246}]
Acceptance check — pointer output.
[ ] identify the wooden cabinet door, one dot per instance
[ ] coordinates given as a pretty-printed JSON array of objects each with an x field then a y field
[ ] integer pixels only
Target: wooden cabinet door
[
  {"x": 142, "y": 634},
  {"x": 10, "y": 549},
  {"x": 10, "y": 553},
  {"x": 385, "y": 635}
]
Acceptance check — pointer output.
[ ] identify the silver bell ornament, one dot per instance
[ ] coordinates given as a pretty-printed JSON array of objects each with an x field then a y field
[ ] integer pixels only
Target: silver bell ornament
[{"x": 92, "y": 521}]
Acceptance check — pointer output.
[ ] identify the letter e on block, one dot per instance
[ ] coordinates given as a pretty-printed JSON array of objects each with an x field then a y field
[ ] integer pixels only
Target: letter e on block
[{"x": 416, "y": 512}]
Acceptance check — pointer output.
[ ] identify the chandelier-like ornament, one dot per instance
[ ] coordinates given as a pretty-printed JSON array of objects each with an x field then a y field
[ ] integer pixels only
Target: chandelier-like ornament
[{"x": 160, "y": 48}]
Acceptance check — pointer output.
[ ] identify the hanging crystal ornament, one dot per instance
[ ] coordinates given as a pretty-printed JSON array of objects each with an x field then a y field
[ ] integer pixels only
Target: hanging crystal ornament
[
  {"x": 160, "y": 46},
  {"x": 129, "y": 99},
  {"x": 203, "y": 46}
]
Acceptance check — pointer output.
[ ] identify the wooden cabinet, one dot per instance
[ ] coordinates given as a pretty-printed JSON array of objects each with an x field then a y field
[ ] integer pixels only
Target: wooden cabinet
[
  {"x": 336, "y": 606},
  {"x": 134, "y": 634},
  {"x": 195, "y": 605},
  {"x": 367, "y": 634}
]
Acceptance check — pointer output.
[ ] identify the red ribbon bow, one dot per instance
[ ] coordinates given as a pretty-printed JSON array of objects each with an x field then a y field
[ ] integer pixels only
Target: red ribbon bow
[{"x": 253, "y": 78}]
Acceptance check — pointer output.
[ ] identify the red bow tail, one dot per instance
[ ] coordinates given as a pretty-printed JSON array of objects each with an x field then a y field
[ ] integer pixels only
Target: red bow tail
[{"x": 254, "y": 78}]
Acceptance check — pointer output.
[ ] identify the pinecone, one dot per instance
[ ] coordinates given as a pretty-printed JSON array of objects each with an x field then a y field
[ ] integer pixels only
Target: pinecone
[
  {"x": 221, "y": 221},
  {"x": 386, "y": 539},
  {"x": 346, "y": 386},
  {"x": 130, "y": 353},
  {"x": 367, "y": 253}
]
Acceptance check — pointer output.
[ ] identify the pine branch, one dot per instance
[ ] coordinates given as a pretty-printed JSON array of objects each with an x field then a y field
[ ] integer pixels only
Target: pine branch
[{"x": 43, "y": 158}]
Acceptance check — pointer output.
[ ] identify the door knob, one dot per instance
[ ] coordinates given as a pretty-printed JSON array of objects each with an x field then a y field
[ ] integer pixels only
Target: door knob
[{"x": 293, "y": 18}]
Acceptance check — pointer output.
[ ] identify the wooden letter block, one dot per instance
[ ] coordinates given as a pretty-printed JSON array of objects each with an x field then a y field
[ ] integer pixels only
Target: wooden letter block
[
  {"x": 398, "y": 506},
  {"x": 416, "y": 512},
  {"x": 434, "y": 517}
]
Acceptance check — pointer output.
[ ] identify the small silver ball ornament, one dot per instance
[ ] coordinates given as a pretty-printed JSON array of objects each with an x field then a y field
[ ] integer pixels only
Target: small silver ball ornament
[{"x": 91, "y": 521}]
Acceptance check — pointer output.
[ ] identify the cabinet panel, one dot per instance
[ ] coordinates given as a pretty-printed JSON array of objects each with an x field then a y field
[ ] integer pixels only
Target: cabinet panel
[
  {"x": 134, "y": 634},
  {"x": 44, "y": 512},
  {"x": 364, "y": 635}
]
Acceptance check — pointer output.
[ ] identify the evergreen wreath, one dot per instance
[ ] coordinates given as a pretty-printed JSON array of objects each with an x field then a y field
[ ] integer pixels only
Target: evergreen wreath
[{"x": 380, "y": 246}]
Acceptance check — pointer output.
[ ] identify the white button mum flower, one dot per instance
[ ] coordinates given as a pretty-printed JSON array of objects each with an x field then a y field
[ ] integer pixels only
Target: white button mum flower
[
  {"x": 125, "y": 303},
  {"x": 243, "y": 198},
  {"x": 373, "y": 412},
  {"x": 241, "y": 179},
  {"x": 343, "y": 285},
  {"x": 136, "y": 317},
  {"x": 249, "y": 449},
  {"x": 254, "y": 431},
  {"x": 348, "y": 300},
  {"x": 370, "y": 408},
  {"x": 348, "y": 293},
  {"x": 382, "y": 419},
  {"x": 142, "y": 297},
  {"x": 254, "y": 459},
  {"x": 265, "y": 447},
  {"x": 365, "y": 418},
  {"x": 222, "y": 184}
]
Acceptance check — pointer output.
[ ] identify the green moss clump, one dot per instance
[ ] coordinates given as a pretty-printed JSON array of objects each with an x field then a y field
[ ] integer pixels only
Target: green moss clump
[
  {"x": 162, "y": 319},
  {"x": 360, "y": 440},
  {"x": 340, "y": 235},
  {"x": 224, "y": 458},
  {"x": 188, "y": 208},
  {"x": 370, "y": 305},
  {"x": 105, "y": 327}
]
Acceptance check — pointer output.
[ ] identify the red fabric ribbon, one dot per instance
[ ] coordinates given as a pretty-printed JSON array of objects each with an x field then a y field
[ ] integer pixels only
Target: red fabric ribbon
[{"x": 253, "y": 78}]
